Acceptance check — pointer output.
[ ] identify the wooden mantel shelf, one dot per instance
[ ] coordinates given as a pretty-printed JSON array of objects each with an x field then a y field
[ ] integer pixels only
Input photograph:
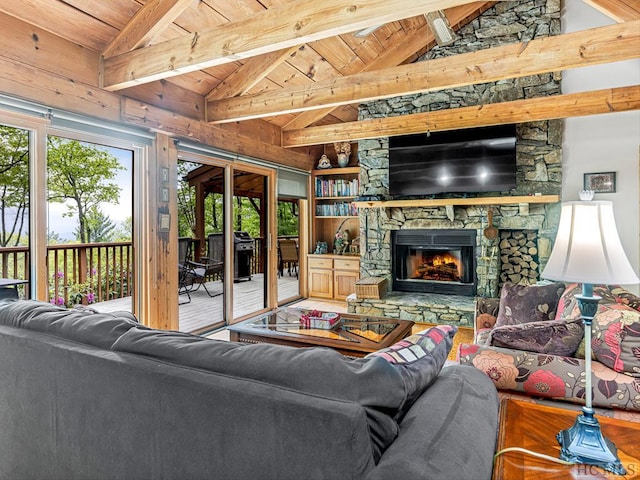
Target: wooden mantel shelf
[{"x": 442, "y": 202}]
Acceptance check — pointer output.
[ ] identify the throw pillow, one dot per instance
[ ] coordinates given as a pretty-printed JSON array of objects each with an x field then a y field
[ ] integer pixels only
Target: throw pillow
[
  {"x": 552, "y": 337},
  {"x": 528, "y": 303},
  {"x": 419, "y": 359},
  {"x": 625, "y": 297},
  {"x": 616, "y": 338},
  {"x": 568, "y": 305}
]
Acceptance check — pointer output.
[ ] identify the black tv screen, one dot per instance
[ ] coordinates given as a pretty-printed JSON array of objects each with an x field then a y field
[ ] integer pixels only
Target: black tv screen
[{"x": 470, "y": 160}]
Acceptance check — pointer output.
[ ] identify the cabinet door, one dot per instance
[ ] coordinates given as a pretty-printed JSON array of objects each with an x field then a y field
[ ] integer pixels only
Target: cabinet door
[
  {"x": 320, "y": 283},
  {"x": 344, "y": 283}
]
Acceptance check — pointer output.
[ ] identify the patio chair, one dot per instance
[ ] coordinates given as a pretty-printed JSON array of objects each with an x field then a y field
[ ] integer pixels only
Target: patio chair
[
  {"x": 192, "y": 274},
  {"x": 288, "y": 255}
]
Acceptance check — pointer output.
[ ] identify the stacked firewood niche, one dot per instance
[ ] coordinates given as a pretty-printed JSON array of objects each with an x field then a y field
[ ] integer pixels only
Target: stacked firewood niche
[{"x": 519, "y": 256}]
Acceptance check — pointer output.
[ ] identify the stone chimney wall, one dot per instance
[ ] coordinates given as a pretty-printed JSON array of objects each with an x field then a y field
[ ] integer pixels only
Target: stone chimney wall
[{"x": 539, "y": 152}]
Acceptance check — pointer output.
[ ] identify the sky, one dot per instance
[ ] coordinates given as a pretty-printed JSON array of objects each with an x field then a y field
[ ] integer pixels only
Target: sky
[{"x": 65, "y": 226}]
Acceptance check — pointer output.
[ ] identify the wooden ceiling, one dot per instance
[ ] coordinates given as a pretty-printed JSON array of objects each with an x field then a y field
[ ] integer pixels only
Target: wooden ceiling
[{"x": 295, "y": 64}]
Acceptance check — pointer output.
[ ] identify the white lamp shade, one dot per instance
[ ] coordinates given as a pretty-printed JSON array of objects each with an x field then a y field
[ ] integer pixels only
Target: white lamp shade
[{"x": 588, "y": 248}]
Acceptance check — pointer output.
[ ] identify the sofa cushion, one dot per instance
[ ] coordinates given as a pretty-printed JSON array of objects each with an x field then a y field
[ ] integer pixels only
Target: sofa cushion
[
  {"x": 374, "y": 383},
  {"x": 419, "y": 359},
  {"x": 616, "y": 338},
  {"x": 554, "y": 337},
  {"x": 528, "y": 303},
  {"x": 82, "y": 325},
  {"x": 625, "y": 297}
]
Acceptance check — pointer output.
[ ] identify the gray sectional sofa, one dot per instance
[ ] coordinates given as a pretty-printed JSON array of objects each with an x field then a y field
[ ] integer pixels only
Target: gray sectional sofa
[{"x": 94, "y": 396}]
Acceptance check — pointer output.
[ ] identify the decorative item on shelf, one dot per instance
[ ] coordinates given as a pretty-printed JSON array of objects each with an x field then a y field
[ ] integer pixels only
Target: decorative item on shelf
[
  {"x": 341, "y": 245},
  {"x": 588, "y": 250},
  {"x": 324, "y": 162},
  {"x": 354, "y": 248},
  {"x": 321, "y": 248},
  {"x": 343, "y": 149},
  {"x": 341, "y": 239},
  {"x": 586, "y": 195}
]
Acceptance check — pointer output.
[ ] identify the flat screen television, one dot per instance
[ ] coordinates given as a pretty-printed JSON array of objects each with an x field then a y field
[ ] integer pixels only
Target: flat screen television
[{"x": 468, "y": 161}]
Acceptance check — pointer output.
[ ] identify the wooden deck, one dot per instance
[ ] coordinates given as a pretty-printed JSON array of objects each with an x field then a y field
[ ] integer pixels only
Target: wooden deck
[{"x": 204, "y": 311}]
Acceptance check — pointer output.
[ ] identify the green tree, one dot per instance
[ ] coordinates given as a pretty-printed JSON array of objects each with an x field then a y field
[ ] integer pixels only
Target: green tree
[
  {"x": 124, "y": 232},
  {"x": 14, "y": 185},
  {"x": 81, "y": 173},
  {"x": 98, "y": 227},
  {"x": 288, "y": 218}
]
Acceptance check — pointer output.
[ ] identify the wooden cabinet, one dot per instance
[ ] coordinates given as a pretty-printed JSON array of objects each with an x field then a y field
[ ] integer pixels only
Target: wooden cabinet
[
  {"x": 333, "y": 276},
  {"x": 334, "y": 191}
]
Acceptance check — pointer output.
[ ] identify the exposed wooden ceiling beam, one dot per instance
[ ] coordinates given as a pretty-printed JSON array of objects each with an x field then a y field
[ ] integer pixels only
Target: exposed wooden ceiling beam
[
  {"x": 548, "y": 54},
  {"x": 518, "y": 111},
  {"x": 148, "y": 22},
  {"x": 249, "y": 74},
  {"x": 619, "y": 10},
  {"x": 397, "y": 54},
  {"x": 175, "y": 125},
  {"x": 294, "y": 23}
]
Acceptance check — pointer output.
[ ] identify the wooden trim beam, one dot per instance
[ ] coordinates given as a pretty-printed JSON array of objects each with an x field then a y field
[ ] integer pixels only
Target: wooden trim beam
[
  {"x": 146, "y": 24},
  {"x": 536, "y": 109},
  {"x": 579, "y": 49},
  {"x": 618, "y": 10},
  {"x": 295, "y": 23}
]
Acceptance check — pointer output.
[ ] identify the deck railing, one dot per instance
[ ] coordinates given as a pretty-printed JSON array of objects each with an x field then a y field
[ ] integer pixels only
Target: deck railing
[
  {"x": 89, "y": 272},
  {"x": 79, "y": 272}
]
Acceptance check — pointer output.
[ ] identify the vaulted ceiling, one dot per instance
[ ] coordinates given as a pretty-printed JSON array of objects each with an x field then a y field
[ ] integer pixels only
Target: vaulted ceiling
[{"x": 298, "y": 64}]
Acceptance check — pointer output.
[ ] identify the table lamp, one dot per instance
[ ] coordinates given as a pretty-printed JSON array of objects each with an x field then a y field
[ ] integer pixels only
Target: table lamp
[{"x": 588, "y": 250}]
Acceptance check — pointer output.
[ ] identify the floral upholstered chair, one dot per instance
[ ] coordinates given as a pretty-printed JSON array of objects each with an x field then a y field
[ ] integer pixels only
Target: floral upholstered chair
[{"x": 545, "y": 357}]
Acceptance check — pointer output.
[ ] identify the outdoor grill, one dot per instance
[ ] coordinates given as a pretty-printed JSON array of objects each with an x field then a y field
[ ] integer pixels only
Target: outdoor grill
[{"x": 243, "y": 253}]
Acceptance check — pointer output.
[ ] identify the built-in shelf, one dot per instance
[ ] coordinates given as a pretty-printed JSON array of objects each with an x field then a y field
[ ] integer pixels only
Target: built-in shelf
[
  {"x": 442, "y": 202},
  {"x": 339, "y": 197},
  {"x": 336, "y": 171}
]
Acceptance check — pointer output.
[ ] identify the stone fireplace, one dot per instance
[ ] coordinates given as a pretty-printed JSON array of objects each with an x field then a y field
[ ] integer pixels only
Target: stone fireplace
[{"x": 526, "y": 229}]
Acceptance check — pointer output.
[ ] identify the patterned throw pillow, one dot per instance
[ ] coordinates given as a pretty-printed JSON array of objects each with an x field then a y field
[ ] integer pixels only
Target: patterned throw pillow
[
  {"x": 419, "y": 359},
  {"x": 616, "y": 338},
  {"x": 625, "y": 297},
  {"x": 553, "y": 337},
  {"x": 528, "y": 303},
  {"x": 568, "y": 305}
]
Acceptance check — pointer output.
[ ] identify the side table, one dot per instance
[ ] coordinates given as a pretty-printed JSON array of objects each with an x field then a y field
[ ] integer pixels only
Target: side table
[{"x": 534, "y": 427}]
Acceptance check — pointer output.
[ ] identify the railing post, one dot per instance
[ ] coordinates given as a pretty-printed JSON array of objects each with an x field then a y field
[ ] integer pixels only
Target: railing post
[{"x": 82, "y": 269}]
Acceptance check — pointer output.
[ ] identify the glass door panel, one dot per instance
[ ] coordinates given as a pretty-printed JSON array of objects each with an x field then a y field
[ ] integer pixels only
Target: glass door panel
[
  {"x": 201, "y": 240},
  {"x": 90, "y": 224},
  {"x": 250, "y": 231},
  {"x": 288, "y": 218},
  {"x": 14, "y": 211}
]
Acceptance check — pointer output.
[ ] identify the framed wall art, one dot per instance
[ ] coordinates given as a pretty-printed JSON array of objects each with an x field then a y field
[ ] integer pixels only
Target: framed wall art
[{"x": 603, "y": 182}]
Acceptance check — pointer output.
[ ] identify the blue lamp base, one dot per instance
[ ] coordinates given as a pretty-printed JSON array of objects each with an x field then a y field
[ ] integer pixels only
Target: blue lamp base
[{"x": 584, "y": 443}]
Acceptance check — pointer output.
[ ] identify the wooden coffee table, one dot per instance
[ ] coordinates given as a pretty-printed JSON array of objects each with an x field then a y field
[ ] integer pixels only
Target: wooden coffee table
[
  {"x": 534, "y": 427},
  {"x": 356, "y": 336}
]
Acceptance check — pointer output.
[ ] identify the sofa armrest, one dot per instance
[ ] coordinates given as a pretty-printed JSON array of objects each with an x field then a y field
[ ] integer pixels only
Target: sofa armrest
[
  {"x": 551, "y": 376},
  {"x": 461, "y": 404}
]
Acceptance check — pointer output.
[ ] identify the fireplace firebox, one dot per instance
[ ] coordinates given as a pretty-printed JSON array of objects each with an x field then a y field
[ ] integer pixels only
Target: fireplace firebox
[{"x": 434, "y": 261}]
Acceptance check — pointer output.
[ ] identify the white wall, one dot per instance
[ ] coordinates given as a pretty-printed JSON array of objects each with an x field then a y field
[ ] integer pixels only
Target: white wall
[{"x": 604, "y": 143}]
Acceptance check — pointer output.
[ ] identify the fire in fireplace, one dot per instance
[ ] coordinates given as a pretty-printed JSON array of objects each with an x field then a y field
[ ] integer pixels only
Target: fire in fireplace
[
  {"x": 434, "y": 261},
  {"x": 435, "y": 265}
]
